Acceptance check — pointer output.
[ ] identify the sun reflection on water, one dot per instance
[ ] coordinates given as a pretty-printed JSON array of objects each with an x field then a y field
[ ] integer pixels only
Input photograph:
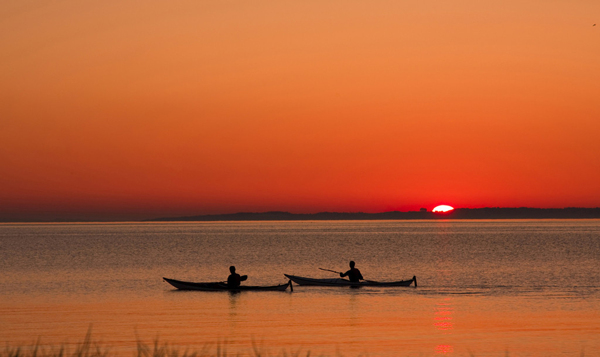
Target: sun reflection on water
[
  {"x": 443, "y": 315},
  {"x": 442, "y": 320},
  {"x": 443, "y": 349}
]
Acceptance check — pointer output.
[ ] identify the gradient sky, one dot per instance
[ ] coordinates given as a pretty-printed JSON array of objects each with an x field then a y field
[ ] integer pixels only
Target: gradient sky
[{"x": 141, "y": 109}]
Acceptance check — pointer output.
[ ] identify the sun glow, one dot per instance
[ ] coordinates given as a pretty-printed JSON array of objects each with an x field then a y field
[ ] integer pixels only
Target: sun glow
[{"x": 443, "y": 208}]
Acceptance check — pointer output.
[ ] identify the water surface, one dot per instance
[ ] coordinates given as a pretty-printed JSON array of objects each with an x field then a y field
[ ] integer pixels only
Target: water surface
[{"x": 531, "y": 288}]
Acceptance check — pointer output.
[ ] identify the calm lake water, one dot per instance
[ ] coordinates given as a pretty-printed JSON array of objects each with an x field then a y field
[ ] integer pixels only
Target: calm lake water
[{"x": 529, "y": 288}]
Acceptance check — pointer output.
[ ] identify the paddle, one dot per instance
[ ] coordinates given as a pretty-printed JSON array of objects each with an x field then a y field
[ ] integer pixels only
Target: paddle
[{"x": 338, "y": 272}]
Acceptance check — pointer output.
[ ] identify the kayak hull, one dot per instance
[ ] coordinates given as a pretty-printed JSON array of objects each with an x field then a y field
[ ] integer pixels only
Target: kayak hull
[
  {"x": 221, "y": 286},
  {"x": 343, "y": 282}
]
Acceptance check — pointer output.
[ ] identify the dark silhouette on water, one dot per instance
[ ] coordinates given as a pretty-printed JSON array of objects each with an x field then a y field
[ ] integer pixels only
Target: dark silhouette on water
[
  {"x": 222, "y": 286},
  {"x": 343, "y": 282},
  {"x": 232, "y": 285},
  {"x": 234, "y": 279},
  {"x": 353, "y": 274}
]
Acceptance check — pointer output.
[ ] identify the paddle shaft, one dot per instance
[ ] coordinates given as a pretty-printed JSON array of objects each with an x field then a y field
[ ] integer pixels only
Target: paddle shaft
[
  {"x": 339, "y": 272},
  {"x": 333, "y": 271}
]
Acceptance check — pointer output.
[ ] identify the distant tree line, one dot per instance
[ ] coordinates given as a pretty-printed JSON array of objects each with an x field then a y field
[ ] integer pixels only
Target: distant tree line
[{"x": 459, "y": 213}]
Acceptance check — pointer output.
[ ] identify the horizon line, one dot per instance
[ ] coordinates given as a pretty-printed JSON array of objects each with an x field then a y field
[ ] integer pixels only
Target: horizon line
[{"x": 429, "y": 213}]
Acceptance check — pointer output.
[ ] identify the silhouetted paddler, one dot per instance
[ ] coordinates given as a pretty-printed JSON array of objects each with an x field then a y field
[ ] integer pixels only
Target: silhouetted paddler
[
  {"x": 353, "y": 274},
  {"x": 234, "y": 279}
]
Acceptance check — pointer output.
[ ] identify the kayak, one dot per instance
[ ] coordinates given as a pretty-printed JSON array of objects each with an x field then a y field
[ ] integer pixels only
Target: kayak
[
  {"x": 222, "y": 286},
  {"x": 343, "y": 282}
]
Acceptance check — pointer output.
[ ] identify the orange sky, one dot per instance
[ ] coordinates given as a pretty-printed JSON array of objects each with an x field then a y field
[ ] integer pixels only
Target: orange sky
[{"x": 132, "y": 110}]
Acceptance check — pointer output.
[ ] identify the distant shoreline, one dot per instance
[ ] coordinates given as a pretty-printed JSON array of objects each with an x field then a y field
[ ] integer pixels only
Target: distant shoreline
[{"x": 459, "y": 213}]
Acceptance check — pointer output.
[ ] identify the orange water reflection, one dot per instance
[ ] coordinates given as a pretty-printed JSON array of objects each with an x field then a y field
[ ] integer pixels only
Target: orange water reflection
[
  {"x": 354, "y": 323},
  {"x": 442, "y": 321},
  {"x": 443, "y": 315},
  {"x": 444, "y": 349}
]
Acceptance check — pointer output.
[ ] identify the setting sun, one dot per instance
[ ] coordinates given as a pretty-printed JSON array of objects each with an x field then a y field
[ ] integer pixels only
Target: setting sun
[{"x": 443, "y": 208}]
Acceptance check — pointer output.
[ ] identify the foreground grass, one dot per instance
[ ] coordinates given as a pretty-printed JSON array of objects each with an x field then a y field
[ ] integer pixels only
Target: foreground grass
[{"x": 90, "y": 348}]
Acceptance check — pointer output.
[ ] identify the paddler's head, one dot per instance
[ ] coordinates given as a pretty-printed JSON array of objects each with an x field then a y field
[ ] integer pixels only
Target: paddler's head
[
  {"x": 352, "y": 264},
  {"x": 232, "y": 269}
]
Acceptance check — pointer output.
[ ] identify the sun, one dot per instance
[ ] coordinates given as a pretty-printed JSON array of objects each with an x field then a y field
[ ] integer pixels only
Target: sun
[{"x": 443, "y": 209}]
